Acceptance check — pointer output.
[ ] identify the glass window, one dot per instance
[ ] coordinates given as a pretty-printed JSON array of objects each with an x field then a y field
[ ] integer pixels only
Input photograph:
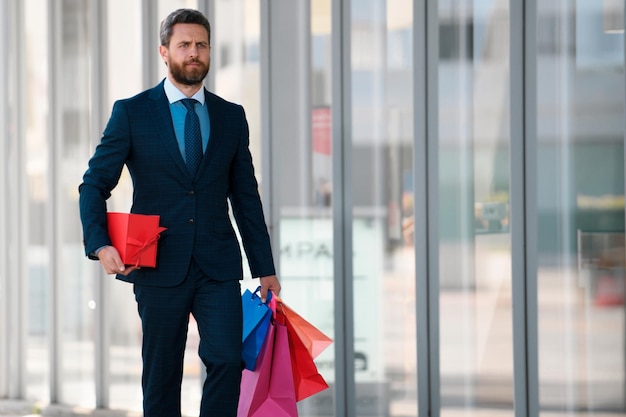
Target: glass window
[
  {"x": 76, "y": 288},
  {"x": 580, "y": 216},
  {"x": 125, "y": 365},
  {"x": 235, "y": 62},
  {"x": 306, "y": 222},
  {"x": 476, "y": 345},
  {"x": 302, "y": 160},
  {"x": 38, "y": 197},
  {"x": 382, "y": 193}
]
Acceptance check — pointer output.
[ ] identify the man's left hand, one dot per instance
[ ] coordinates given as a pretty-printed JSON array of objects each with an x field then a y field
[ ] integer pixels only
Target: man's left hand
[{"x": 269, "y": 283}]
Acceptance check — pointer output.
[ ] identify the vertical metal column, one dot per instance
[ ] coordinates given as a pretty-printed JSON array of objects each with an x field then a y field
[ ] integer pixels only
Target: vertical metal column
[
  {"x": 426, "y": 180},
  {"x": 4, "y": 210},
  {"x": 285, "y": 106},
  {"x": 55, "y": 52},
  {"x": 21, "y": 216},
  {"x": 149, "y": 32},
  {"x": 12, "y": 294},
  {"x": 267, "y": 197},
  {"x": 523, "y": 215},
  {"x": 208, "y": 8},
  {"x": 97, "y": 15},
  {"x": 342, "y": 208}
]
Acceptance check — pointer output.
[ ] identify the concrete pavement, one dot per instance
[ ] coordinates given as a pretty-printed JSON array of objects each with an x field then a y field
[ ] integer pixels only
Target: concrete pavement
[{"x": 18, "y": 408}]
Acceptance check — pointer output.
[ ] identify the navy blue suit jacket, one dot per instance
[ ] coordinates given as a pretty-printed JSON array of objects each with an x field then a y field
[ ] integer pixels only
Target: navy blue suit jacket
[{"x": 140, "y": 135}]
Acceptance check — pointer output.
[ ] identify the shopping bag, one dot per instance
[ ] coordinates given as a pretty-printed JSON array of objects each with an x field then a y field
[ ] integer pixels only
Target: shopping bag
[
  {"x": 135, "y": 237},
  {"x": 313, "y": 339},
  {"x": 255, "y": 384},
  {"x": 256, "y": 320},
  {"x": 269, "y": 391},
  {"x": 306, "y": 378}
]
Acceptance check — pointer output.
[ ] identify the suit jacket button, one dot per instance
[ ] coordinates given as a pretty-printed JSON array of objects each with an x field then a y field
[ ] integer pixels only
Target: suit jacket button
[
  {"x": 192, "y": 192},
  {"x": 190, "y": 221}
]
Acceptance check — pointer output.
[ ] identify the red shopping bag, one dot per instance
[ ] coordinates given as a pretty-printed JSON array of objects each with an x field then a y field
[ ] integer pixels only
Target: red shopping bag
[
  {"x": 269, "y": 391},
  {"x": 313, "y": 339},
  {"x": 306, "y": 378}
]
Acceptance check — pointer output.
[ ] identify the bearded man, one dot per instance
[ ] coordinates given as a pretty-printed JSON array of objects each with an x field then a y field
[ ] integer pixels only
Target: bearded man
[{"x": 187, "y": 151}]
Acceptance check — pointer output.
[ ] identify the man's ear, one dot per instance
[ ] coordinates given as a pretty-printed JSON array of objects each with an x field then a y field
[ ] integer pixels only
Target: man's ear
[{"x": 163, "y": 51}]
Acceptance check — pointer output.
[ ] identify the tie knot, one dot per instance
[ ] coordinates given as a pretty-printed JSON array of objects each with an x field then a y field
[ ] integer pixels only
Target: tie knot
[{"x": 189, "y": 103}]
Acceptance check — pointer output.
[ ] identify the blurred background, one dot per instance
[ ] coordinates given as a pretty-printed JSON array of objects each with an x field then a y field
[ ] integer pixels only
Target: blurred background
[{"x": 443, "y": 181}]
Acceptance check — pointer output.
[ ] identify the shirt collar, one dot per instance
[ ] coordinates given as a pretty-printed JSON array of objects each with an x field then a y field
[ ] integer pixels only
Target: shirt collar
[{"x": 174, "y": 94}]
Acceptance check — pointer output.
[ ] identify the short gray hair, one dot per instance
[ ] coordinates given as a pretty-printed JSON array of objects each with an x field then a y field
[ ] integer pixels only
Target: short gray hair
[{"x": 182, "y": 16}]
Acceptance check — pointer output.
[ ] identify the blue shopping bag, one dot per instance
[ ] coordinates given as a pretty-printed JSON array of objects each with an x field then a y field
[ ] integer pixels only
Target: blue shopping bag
[{"x": 256, "y": 321}]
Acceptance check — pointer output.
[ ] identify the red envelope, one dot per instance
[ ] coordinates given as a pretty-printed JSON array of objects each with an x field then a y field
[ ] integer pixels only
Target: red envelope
[{"x": 135, "y": 237}]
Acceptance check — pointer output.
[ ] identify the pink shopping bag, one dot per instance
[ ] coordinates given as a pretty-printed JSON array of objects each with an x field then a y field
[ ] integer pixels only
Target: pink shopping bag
[{"x": 269, "y": 390}]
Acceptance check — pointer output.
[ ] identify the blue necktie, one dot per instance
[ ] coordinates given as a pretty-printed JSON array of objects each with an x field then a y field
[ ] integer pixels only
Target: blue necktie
[{"x": 193, "y": 137}]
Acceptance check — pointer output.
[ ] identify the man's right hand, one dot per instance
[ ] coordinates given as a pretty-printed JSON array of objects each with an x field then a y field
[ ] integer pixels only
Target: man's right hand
[{"x": 112, "y": 262}]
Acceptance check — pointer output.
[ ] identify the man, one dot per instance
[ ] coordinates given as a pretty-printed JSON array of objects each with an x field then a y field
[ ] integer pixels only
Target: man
[{"x": 199, "y": 263}]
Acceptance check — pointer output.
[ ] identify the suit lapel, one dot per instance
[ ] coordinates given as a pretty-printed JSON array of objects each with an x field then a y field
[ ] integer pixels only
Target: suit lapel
[
  {"x": 214, "y": 134},
  {"x": 165, "y": 128}
]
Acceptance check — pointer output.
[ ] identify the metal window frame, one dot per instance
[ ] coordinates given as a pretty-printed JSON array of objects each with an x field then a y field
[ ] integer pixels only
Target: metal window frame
[
  {"x": 98, "y": 17},
  {"x": 19, "y": 217},
  {"x": 12, "y": 288},
  {"x": 52, "y": 238},
  {"x": 149, "y": 30},
  {"x": 208, "y": 8},
  {"x": 267, "y": 197},
  {"x": 426, "y": 217},
  {"x": 341, "y": 111},
  {"x": 523, "y": 195},
  {"x": 4, "y": 215}
]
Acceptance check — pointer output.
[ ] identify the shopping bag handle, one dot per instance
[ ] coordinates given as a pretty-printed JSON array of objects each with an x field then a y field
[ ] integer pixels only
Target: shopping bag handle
[{"x": 258, "y": 290}]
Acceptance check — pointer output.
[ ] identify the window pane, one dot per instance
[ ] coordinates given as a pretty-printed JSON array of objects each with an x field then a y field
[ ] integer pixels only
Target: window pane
[
  {"x": 76, "y": 303},
  {"x": 382, "y": 192},
  {"x": 125, "y": 327},
  {"x": 580, "y": 123},
  {"x": 307, "y": 232},
  {"x": 38, "y": 196},
  {"x": 302, "y": 160},
  {"x": 235, "y": 60},
  {"x": 476, "y": 344}
]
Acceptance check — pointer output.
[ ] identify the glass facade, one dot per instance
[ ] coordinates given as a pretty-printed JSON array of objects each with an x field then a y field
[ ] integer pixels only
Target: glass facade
[
  {"x": 380, "y": 183},
  {"x": 580, "y": 207},
  {"x": 443, "y": 181},
  {"x": 38, "y": 169},
  {"x": 476, "y": 337},
  {"x": 121, "y": 361}
]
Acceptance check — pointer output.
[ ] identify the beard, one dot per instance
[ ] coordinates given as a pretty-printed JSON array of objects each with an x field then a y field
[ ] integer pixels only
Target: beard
[{"x": 186, "y": 76}]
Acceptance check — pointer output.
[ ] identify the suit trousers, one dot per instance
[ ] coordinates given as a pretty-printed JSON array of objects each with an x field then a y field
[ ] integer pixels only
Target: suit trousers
[{"x": 164, "y": 312}]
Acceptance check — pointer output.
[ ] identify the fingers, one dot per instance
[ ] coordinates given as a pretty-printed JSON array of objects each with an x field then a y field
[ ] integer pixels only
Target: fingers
[
  {"x": 269, "y": 283},
  {"x": 112, "y": 263},
  {"x": 128, "y": 269}
]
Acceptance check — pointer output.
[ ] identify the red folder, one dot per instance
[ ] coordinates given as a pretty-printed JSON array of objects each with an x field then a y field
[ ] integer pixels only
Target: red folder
[{"x": 135, "y": 237}]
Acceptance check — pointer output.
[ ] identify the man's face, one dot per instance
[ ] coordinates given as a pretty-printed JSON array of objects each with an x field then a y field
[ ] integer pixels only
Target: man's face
[{"x": 188, "y": 54}]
